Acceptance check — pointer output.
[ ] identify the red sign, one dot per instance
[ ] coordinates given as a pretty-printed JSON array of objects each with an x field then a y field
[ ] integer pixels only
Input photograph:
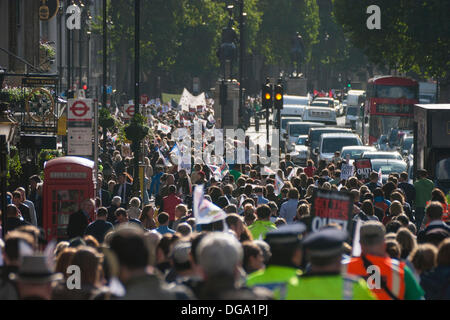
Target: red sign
[
  {"x": 145, "y": 99},
  {"x": 329, "y": 206},
  {"x": 363, "y": 168},
  {"x": 129, "y": 111},
  {"x": 79, "y": 109}
]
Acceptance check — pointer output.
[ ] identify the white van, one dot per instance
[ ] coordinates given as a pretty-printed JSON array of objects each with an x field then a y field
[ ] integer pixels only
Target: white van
[
  {"x": 332, "y": 142},
  {"x": 321, "y": 112}
]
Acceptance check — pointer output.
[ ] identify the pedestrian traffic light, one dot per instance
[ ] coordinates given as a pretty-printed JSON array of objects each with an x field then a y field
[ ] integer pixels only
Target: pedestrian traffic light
[
  {"x": 279, "y": 92},
  {"x": 267, "y": 92},
  {"x": 349, "y": 84}
]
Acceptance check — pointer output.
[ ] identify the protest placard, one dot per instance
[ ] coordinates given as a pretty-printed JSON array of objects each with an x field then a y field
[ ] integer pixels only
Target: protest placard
[
  {"x": 363, "y": 168},
  {"x": 329, "y": 206}
]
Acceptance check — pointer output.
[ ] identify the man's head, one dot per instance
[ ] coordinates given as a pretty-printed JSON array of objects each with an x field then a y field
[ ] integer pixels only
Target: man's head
[
  {"x": 116, "y": 201},
  {"x": 422, "y": 173},
  {"x": 373, "y": 177},
  {"x": 172, "y": 189},
  {"x": 263, "y": 212},
  {"x": 102, "y": 213},
  {"x": 34, "y": 181},
  {"x": 404, "y": 177},
  {"x": 293, "y": 194},
  {"x": 219, "y": 255},
  {"x": 17, "y": 198},
  {"x": 88, "y": 205},
  {"x": 122, "y": 178},
  {"x": 372, "y": 238},
  {"x": 121, "y": 215},
  {"x": 163, "y": 219},
  {"x": 11, "y": 211},
  {"x": 124, "y": 238},
  {"x": 324, "y": 248},
  {"x": 434, "y": 211},
  {"x": 11, "y": 251},
  {"x": 285, "y": 245}
]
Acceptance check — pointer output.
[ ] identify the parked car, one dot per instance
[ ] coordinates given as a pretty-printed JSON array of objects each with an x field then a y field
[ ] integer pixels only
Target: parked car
[
  {"x": 355, "y": 152},
  {"x": 394, "y": 155},
  {"x": 388, "y": 166},
  {"x": 297, "y": 128},
  {"x": 301, "y": 152},
  {"x": 332, "y": 142},
  {"x": 320, "y": 111}
]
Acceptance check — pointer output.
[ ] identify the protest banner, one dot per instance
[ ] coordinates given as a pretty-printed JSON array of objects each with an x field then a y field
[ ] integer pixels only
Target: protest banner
[
  {"x": 347, "y": 171},
  {"x": 363, "y": 168},
  {"x": 329, "y": 206}
]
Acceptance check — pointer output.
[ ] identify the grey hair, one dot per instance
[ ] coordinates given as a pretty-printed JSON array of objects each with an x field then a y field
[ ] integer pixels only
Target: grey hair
[{"x": 219, "y": 253}]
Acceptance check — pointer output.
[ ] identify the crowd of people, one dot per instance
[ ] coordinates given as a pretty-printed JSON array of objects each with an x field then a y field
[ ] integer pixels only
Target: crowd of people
[{"x": 155, "y": 246}]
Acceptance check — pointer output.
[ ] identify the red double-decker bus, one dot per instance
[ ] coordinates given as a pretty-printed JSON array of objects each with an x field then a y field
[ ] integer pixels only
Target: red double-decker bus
[{"x": 390, "y": 107}]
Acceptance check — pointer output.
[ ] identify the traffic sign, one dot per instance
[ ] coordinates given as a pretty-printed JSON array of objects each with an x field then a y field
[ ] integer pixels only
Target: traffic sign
[
  {"x": 128, "y": 111},
  {"x": 145, "y": 99},
  {"x": 79, "y": 110}
]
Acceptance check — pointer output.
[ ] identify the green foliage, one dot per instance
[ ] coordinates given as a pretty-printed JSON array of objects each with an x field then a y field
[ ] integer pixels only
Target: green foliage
[
  {"x": 13, "y": 165},
  {"x": 137, "y": 129},
  {"x": 46, "y": 155},
  {"x": 414, "y": 35},
  {"x": 105, "y": 119},
  {"x": 281, "y": 20},
  {"x": 48, "y": 49}
]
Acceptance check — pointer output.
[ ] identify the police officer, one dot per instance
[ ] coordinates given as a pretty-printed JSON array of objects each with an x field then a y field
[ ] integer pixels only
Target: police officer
[
  {"x": 285, "y": 260},
  {"x": 323, "y": 280}
]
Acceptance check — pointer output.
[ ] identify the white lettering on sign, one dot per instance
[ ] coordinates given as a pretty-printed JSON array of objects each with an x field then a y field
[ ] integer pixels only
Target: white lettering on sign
[
  {"x": 318, "y": 223},
  {"x": 374, "y": 21},
  {"x": 68, "y": 175},
  {"x": 74, "y": 20}
]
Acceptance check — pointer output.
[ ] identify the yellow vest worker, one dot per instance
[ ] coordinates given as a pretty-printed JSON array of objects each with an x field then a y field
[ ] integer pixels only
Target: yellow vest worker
[
  {"x": 324, "y": 280},
  {"x": 285, "y": 260}
]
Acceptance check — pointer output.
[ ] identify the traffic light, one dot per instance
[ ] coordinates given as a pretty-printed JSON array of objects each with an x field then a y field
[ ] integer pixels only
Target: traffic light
[
  {"x": 279, "y": 92},
  {"x": 267, "y": 92},
  {"x": 349, "y": 84}
]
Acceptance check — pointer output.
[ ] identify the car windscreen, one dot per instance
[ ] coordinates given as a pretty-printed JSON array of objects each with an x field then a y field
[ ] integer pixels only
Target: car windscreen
[
  {"x": 331, "y": 145},
  {"x": 301, "y": 141},
  {"x": 320, "y": 104},
  {"x": 284, "y": 121},
  {"x": 387, "y": 168},
  {"x": 295, "y": 101},
  {"x": 381, "y": 156},
  {"x": 315, "y": 135},
  {"x": 354, "y": 153},
  {"x": 296, "y": 130}
]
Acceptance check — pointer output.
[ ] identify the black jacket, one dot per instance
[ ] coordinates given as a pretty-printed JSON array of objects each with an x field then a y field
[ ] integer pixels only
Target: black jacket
[
  {"x": 14, "y": 223},
  {"x": 128, "y": 192},
  {"x": 78, "y": 222}
]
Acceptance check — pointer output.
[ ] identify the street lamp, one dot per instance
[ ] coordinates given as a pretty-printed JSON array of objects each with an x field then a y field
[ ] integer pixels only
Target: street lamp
[{"x": 7, "y": 129}]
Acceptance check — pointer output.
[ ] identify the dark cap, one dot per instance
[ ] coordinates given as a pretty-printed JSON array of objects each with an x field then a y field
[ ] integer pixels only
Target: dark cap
[
  {"x": 286, "y": 234},
  {"x": 325, "y": 243}
]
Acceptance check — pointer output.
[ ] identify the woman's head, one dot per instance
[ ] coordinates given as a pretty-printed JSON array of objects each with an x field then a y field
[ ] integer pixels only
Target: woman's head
[
  {"x": 424, "y": 257},
  {"x": 396, "y": 208},
  {"x": 407, "y": 242},
  {"x": 90, "y": 263}
]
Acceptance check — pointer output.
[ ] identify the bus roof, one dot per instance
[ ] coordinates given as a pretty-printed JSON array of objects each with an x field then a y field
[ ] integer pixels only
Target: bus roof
[
  {"x": 392, "y": 80},
  {"x": 440, "y": 106}
]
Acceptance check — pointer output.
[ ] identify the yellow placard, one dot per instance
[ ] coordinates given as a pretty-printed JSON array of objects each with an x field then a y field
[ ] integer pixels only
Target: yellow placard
[{"x": 62, "y": 126}]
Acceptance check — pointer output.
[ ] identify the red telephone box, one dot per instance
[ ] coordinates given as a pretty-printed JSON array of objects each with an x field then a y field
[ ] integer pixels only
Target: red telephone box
[{"x": 67, "y": 182}]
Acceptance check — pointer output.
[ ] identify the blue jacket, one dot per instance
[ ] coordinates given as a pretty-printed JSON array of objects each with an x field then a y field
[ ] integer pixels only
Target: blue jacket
[{"x": 154, "y": 186}]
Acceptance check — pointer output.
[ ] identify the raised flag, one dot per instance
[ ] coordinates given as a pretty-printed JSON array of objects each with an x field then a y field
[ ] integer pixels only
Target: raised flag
[
  {"x": 380, "y": 176},
  {"x": 292, "y": 173},
  {"x": 278, "y": 184},
  {"x": 266, "y": 171},
  {"x": 165, "y": 129},
  {"x": 205, "y": 212}
]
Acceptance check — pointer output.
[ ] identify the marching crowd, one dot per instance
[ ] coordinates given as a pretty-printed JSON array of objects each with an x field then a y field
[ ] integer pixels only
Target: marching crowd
[{"x": 249, "y": 237}]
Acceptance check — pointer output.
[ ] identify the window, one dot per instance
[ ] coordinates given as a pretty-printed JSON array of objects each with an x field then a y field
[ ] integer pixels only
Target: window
[
  {"x": 396, "y": 92},
  {"x": 331, "y": 145}
]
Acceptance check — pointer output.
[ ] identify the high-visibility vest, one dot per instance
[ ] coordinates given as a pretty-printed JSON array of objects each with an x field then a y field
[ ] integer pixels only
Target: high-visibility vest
[{"x": 391, "y": 270}]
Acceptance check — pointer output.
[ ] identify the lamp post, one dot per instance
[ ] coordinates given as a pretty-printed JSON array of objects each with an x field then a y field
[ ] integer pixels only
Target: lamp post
[
  {"x": 7, "y": 130},
  {"x": 136, "y": 143},
  {"x": 242, "y": 16}
]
